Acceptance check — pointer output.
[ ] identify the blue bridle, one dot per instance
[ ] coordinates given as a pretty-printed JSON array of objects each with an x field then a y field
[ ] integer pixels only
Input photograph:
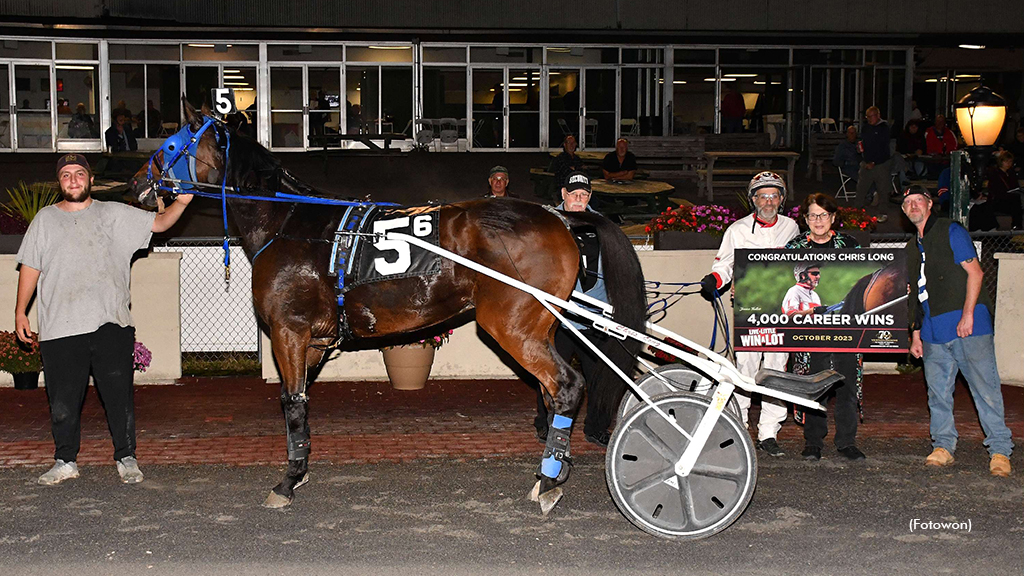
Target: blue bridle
[{"x": 183, "y": 145}]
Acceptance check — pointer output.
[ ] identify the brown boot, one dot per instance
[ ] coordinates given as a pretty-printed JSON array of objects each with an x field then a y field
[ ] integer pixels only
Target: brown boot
[
  {"x": 939, "y": 457},
  {"x": 999, "y": 465}
]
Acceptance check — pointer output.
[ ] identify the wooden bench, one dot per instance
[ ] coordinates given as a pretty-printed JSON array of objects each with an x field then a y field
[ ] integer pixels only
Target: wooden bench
[
  {"x": 821, "y": 150},
  {"x": 746, "y": 173},
  {"x": 668, "y": 157}
]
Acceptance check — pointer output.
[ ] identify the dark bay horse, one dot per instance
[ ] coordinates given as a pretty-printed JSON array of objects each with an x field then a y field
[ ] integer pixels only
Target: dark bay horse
[
  {"x": 876, "y": 289},
  {"x": 294, "y": 293}
]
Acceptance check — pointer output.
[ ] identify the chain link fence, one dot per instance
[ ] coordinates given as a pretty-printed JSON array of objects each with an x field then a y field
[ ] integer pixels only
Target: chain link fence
[{"x": 219, "y": 330}]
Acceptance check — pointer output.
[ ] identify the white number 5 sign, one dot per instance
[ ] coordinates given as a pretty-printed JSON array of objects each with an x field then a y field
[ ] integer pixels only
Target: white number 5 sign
[
  {"x": 223, "y": 101},
  {"x": 421, "y": 226}
]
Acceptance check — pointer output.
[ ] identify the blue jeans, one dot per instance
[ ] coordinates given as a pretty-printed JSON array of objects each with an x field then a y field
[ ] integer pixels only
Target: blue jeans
[{"x": 975, "y": 356}]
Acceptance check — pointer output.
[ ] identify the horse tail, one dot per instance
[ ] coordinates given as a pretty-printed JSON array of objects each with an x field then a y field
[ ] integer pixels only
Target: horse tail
[{"x": 624, "y": 283}]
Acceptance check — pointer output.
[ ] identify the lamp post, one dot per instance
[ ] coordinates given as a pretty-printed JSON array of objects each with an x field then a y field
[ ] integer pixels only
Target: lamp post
[{"x": 980, "y": 115}]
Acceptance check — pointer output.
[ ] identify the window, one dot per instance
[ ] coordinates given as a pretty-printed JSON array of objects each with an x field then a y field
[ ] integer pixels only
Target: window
[
  {"x": 693, "y": 100},
  {"x": 150, "y": 93}
]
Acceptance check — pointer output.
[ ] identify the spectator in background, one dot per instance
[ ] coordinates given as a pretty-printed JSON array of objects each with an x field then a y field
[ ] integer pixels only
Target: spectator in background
[
  {"x": 81, "y": 124},
  {"x": 151, "y": 119},
  {"x": 877, "y": 166},
  {"x": 1004, "y": 194},
  {"x": 912, "y": 143},
  {"x": 733, "y": 111},
  {"x": 846, "y": 156},
  {"x": 568, "y": 161},
  {"x": 497, "y": 184},
  {"x": 620, "y": 164},
  {"x": 939, "y": 138},
  {"x": 119, "y": 137},
  {"x": 915, "y": 112}
]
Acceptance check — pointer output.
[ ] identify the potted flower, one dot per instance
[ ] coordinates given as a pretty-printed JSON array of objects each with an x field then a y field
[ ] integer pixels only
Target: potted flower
[
  {"x": 21, "y": 360},
  {"x": 25, "y": 201},
  {"x": 690, "y": 227},
  {"x": 408, "y": 365},
  {"x": 142, "y": 357}
]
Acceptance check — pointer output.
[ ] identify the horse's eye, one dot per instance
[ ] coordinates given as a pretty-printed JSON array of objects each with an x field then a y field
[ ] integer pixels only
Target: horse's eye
[{"x": 171, "y": 148}]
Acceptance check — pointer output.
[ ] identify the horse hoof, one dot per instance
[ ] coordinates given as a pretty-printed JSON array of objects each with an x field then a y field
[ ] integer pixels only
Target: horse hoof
[
  {"x": 534, "y": 494},
  {"x": 303, "y": 482},
  {"x": 275, "y": 500},
  {"x": 549, "y": 499}
]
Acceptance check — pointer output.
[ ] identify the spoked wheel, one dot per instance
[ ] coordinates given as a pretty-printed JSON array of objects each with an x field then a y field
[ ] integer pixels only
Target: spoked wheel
[
  {"x": 640, "y": 470},
  {"x": 680, "y": 379}
]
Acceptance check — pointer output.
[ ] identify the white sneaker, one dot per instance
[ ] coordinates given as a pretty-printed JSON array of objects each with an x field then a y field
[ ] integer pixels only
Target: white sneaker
[
  {"x": 128, "y": 468},
  {"x": 60, "y": 472}
]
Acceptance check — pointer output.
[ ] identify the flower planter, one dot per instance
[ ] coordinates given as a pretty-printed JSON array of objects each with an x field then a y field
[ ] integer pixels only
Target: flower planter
[
  {"x": 678, "y": 240},
  {"x": 26, "y": 380},
  {"x": 408, "y": 367}
]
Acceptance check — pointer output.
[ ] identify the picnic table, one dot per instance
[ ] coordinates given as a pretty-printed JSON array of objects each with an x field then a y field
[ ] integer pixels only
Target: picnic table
[
  {"x": 762, "y": 160},
  {"x": 645, "y": 198},
  {"x": 335, "y": 140}
]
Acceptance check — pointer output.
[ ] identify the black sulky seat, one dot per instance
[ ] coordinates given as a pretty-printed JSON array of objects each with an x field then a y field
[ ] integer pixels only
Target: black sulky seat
[{"x": 810, "y": 386}]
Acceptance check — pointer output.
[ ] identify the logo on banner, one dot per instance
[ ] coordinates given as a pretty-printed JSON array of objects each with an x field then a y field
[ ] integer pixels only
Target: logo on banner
[{"x": 885, "y": 339}]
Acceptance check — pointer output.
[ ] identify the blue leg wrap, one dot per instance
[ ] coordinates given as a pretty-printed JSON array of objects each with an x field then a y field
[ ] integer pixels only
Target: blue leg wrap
[{"x": 556, "y": 450}]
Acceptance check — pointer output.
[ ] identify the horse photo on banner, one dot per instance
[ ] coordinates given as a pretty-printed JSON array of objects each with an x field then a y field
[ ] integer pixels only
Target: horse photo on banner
[{"x": 841, "y": 300}]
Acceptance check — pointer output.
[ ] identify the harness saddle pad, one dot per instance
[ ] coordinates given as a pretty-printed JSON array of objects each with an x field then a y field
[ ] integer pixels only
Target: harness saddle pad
[{"x": 358, "y": 257}]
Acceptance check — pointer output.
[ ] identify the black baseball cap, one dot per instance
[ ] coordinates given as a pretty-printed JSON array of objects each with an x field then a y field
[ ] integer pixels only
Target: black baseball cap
[
  {"x": 69, "y": 159},
  {"x": 916, "y": 189},
  {"x": 577, "y": 180}
]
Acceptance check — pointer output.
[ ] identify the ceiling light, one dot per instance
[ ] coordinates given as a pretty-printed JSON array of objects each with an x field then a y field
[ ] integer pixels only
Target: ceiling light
[
  {"x": 226, "y": 71},
  {"x": 759, "y": 82},
  {"x": 973, "y": 46},
  {"x": 73, "y": 67},
  {"x": 679, "y": 81},
  {"x": 390, "y": 47},
  {"x": 742, "y": 75},
  {"x": 234, "y": 77},
  {"x": 236, "y": 83},
  {"x": 200, "y": 45}
]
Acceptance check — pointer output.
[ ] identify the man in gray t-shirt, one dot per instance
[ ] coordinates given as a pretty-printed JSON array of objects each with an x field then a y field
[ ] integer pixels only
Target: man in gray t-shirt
[{"x": 78, "y": 252}]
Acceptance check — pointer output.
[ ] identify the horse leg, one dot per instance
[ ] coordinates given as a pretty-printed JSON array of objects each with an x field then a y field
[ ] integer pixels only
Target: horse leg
[
  {"x": 529, "y": 338},
  {"x": 294, "y": 359}
]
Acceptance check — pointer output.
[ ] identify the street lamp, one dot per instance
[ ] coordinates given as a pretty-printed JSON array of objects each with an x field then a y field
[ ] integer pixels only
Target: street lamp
[{"x": 980, "y": 115}]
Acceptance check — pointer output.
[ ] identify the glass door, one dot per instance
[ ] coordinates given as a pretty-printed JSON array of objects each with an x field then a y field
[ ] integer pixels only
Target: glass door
[
  {"x": 5, "y": 106},
  {"x": 523, "y": 88},
  {"x": 599, "y": 110},
  {"x": 564, "y": 111},
  {"x": 489, "y": 108},
  {"x": 287, "y": 108},
  {"x": 324, "y": 107},
  {"x": 32, "y": 97}
]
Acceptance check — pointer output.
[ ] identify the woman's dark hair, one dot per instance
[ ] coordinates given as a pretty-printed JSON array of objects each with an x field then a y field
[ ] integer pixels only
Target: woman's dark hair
[
  {"x": 823, "y": 200},
  {"x": 912, "y": 122}
]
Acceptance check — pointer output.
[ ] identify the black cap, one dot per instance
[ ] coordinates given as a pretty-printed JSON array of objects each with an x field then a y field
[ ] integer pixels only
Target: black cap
[
  {"x": 69, "y": 159},
  {"x": 916, "y": 189},
  {"x": 577, "y": 181}
]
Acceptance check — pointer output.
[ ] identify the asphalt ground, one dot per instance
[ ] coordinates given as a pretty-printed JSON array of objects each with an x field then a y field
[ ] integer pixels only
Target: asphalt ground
[
  {"x": 445, "y": 516},
  {"x": 434, "y": 482}
]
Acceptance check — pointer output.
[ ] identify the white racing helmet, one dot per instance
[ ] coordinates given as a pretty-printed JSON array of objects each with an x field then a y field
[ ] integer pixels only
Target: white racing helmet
[
  {"x": 766, "y": 179},
  {"x": 801, "y": 268}
]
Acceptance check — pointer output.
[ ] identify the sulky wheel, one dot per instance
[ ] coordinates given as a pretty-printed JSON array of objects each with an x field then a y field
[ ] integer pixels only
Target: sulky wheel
[
  {"x": 640, "y": 470},
  {"x": 681, "y": 379}
]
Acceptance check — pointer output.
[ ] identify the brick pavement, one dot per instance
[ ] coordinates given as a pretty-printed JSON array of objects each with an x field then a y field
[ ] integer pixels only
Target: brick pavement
[{"x": 238, "y": 421}]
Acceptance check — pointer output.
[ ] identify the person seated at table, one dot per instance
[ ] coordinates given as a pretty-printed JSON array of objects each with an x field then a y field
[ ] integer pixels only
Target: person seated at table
[
  {"x": 568, "y": 161},
  {"x": 620, "y": 164},
  {"x": 940, "y": 140},
  {"x": 497, "y": 183},
  {"x": 119, "y": 137},
  {"x": 847, "y": 157},
  {"x": 912, "y": 143}
]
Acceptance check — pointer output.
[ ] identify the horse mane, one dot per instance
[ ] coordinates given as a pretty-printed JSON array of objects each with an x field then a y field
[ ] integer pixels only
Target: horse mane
[
  {"x": 854, "y": 301},
  {"x": 252, "y": 166},
  {"x": 501, "y": 215}
]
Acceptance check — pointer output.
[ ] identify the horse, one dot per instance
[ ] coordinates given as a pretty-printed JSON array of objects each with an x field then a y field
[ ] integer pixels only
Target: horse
[
  {"x": 289, "y": 246},
  {"x": 876, "y": 289}
]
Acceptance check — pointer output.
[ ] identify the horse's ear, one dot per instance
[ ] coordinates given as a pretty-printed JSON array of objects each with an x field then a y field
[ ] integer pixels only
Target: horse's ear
[{"x": 193, "y": 117}]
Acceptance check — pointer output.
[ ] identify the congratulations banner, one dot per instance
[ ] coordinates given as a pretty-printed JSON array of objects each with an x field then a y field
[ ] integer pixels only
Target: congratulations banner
[{"x": 842, "y": 300}]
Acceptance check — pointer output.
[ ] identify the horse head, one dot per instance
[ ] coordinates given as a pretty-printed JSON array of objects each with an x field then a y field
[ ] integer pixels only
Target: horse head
[{"x": 195, "y": 155}]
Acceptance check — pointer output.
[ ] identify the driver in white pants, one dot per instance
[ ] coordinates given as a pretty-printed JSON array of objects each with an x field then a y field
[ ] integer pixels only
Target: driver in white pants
[{"x": 764, "y": 228}]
